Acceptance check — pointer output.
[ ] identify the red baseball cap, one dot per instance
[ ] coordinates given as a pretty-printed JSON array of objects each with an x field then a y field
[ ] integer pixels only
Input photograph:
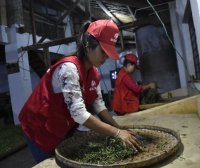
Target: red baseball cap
[
  {"x": 106, "y": 32},
  {"x": 132, "y": 58}
]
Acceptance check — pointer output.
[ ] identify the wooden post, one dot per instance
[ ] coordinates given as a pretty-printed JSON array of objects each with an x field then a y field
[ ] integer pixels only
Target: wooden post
[
  {"x": 47, "y": 58},
  {"x": 32, "y": 22}
]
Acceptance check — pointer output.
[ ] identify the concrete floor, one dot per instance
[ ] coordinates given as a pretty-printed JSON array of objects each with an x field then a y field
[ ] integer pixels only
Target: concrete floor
[
  {"x": 187, "y": 125},
  {"x": 181, "y": 116},
  {"x": 20, "y": 159}
]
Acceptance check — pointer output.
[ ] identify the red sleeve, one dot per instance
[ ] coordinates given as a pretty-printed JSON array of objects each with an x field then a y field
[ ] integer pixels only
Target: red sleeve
[{"x": 132, "y": 85}]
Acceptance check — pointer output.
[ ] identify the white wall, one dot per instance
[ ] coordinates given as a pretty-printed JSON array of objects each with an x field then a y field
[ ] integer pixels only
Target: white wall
[
  {"x": 182, "y": 39},
  {"x": 176, "y": 16},
  {"x": 195, "y": 6},
  {"x": 22, "y": 83},
  {"x": 185, "y": 36},
  {"x": 19, "y": 82}
]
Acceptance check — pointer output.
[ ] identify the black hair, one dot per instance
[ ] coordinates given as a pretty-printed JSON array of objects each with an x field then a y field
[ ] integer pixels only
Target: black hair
[
  {"x": 126, "y": 62},
  {"x": 85, "y": 40}
]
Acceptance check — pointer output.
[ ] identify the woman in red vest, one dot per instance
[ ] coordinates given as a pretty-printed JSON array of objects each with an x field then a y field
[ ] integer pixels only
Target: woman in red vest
[
  {"x": 69, "y": 91},
  {"x": 127, "y": 91}
]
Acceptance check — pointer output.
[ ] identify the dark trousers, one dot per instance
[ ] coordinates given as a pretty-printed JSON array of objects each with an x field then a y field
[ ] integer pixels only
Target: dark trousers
[{"x": 38, "y": 154}]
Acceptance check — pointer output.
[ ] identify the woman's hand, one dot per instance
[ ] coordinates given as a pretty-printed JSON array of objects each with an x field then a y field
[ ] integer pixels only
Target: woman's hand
[
  {"x": 152, "y": 85},
  {"x": 129, "y": 138}
]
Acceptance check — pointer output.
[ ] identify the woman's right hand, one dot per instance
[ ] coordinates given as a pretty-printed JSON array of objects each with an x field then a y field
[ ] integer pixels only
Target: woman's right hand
[
  {"x": 129, "y": 138},
  {"x": 152, "y": 85}
]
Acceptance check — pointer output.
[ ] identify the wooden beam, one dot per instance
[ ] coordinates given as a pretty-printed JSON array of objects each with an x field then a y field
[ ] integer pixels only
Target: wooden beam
[
  {"x": 102, "y": 6},
  {"x": 3, "y": 15},
  {"x": 148, "y": 106},
  {"x": 49, "y": 44},
  {"x": 32, "y": 21},
  {"x": 62, "y": 17},
  {"x": 134, "y": 3},
  {"x": 148, "y": 20},
  {"x": 121, "y": 40},
  {"x": 67, "y": 12},
  {"x": 61, "y": 3},
  {"x": 87, "y": 10},
  {"x": 42, "y": 18},
  {"x": 47, "y": 59}
]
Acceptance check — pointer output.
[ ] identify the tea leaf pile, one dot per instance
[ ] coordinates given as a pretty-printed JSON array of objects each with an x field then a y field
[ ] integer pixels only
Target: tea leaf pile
[{"x": 109, "y": 151}]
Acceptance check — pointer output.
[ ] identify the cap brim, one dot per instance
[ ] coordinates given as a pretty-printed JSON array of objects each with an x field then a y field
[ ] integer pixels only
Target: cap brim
[{"x": 110, "y": 50}]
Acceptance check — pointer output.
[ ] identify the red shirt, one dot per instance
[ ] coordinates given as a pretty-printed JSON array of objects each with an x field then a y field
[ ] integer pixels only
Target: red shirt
[
  {"x": 130, "y": 83},
  {"x": 126, "y": 92}
]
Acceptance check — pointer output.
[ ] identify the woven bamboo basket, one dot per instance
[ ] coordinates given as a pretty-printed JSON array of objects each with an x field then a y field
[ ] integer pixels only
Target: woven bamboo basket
[{"x": 73, "y": 143}]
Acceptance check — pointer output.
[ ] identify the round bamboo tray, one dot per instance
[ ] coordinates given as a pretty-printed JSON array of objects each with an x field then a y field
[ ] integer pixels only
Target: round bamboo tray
[{"x": 147, "y": 158}]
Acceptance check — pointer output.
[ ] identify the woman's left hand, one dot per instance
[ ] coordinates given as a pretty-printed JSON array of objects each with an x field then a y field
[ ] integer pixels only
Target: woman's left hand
[{"x": 129, "y": 138}]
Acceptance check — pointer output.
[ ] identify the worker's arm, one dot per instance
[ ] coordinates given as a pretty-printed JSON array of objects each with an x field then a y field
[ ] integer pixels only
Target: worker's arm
[
  {"x": 150, "y": 85},
  {"x": 103, "y": 128},
  {"x": 132, "y": 85},
  {"x": 100, "y": 109},
  {"x": 69, "y": 85}
]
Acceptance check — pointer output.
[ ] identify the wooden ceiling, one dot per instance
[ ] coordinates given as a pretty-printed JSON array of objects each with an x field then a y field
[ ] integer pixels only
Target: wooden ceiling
[
  {"x": 127, "y": 14},
  {"x": 120, "y": 11}
]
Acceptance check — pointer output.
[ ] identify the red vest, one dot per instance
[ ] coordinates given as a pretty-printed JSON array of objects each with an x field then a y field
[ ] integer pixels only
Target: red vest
[
  {"x": 45, "y": 118},
  {"x": 124, "y": 100}
]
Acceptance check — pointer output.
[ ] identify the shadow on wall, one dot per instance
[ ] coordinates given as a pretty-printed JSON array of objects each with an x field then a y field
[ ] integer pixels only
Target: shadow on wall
[{"x": 157, "y": 58}]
